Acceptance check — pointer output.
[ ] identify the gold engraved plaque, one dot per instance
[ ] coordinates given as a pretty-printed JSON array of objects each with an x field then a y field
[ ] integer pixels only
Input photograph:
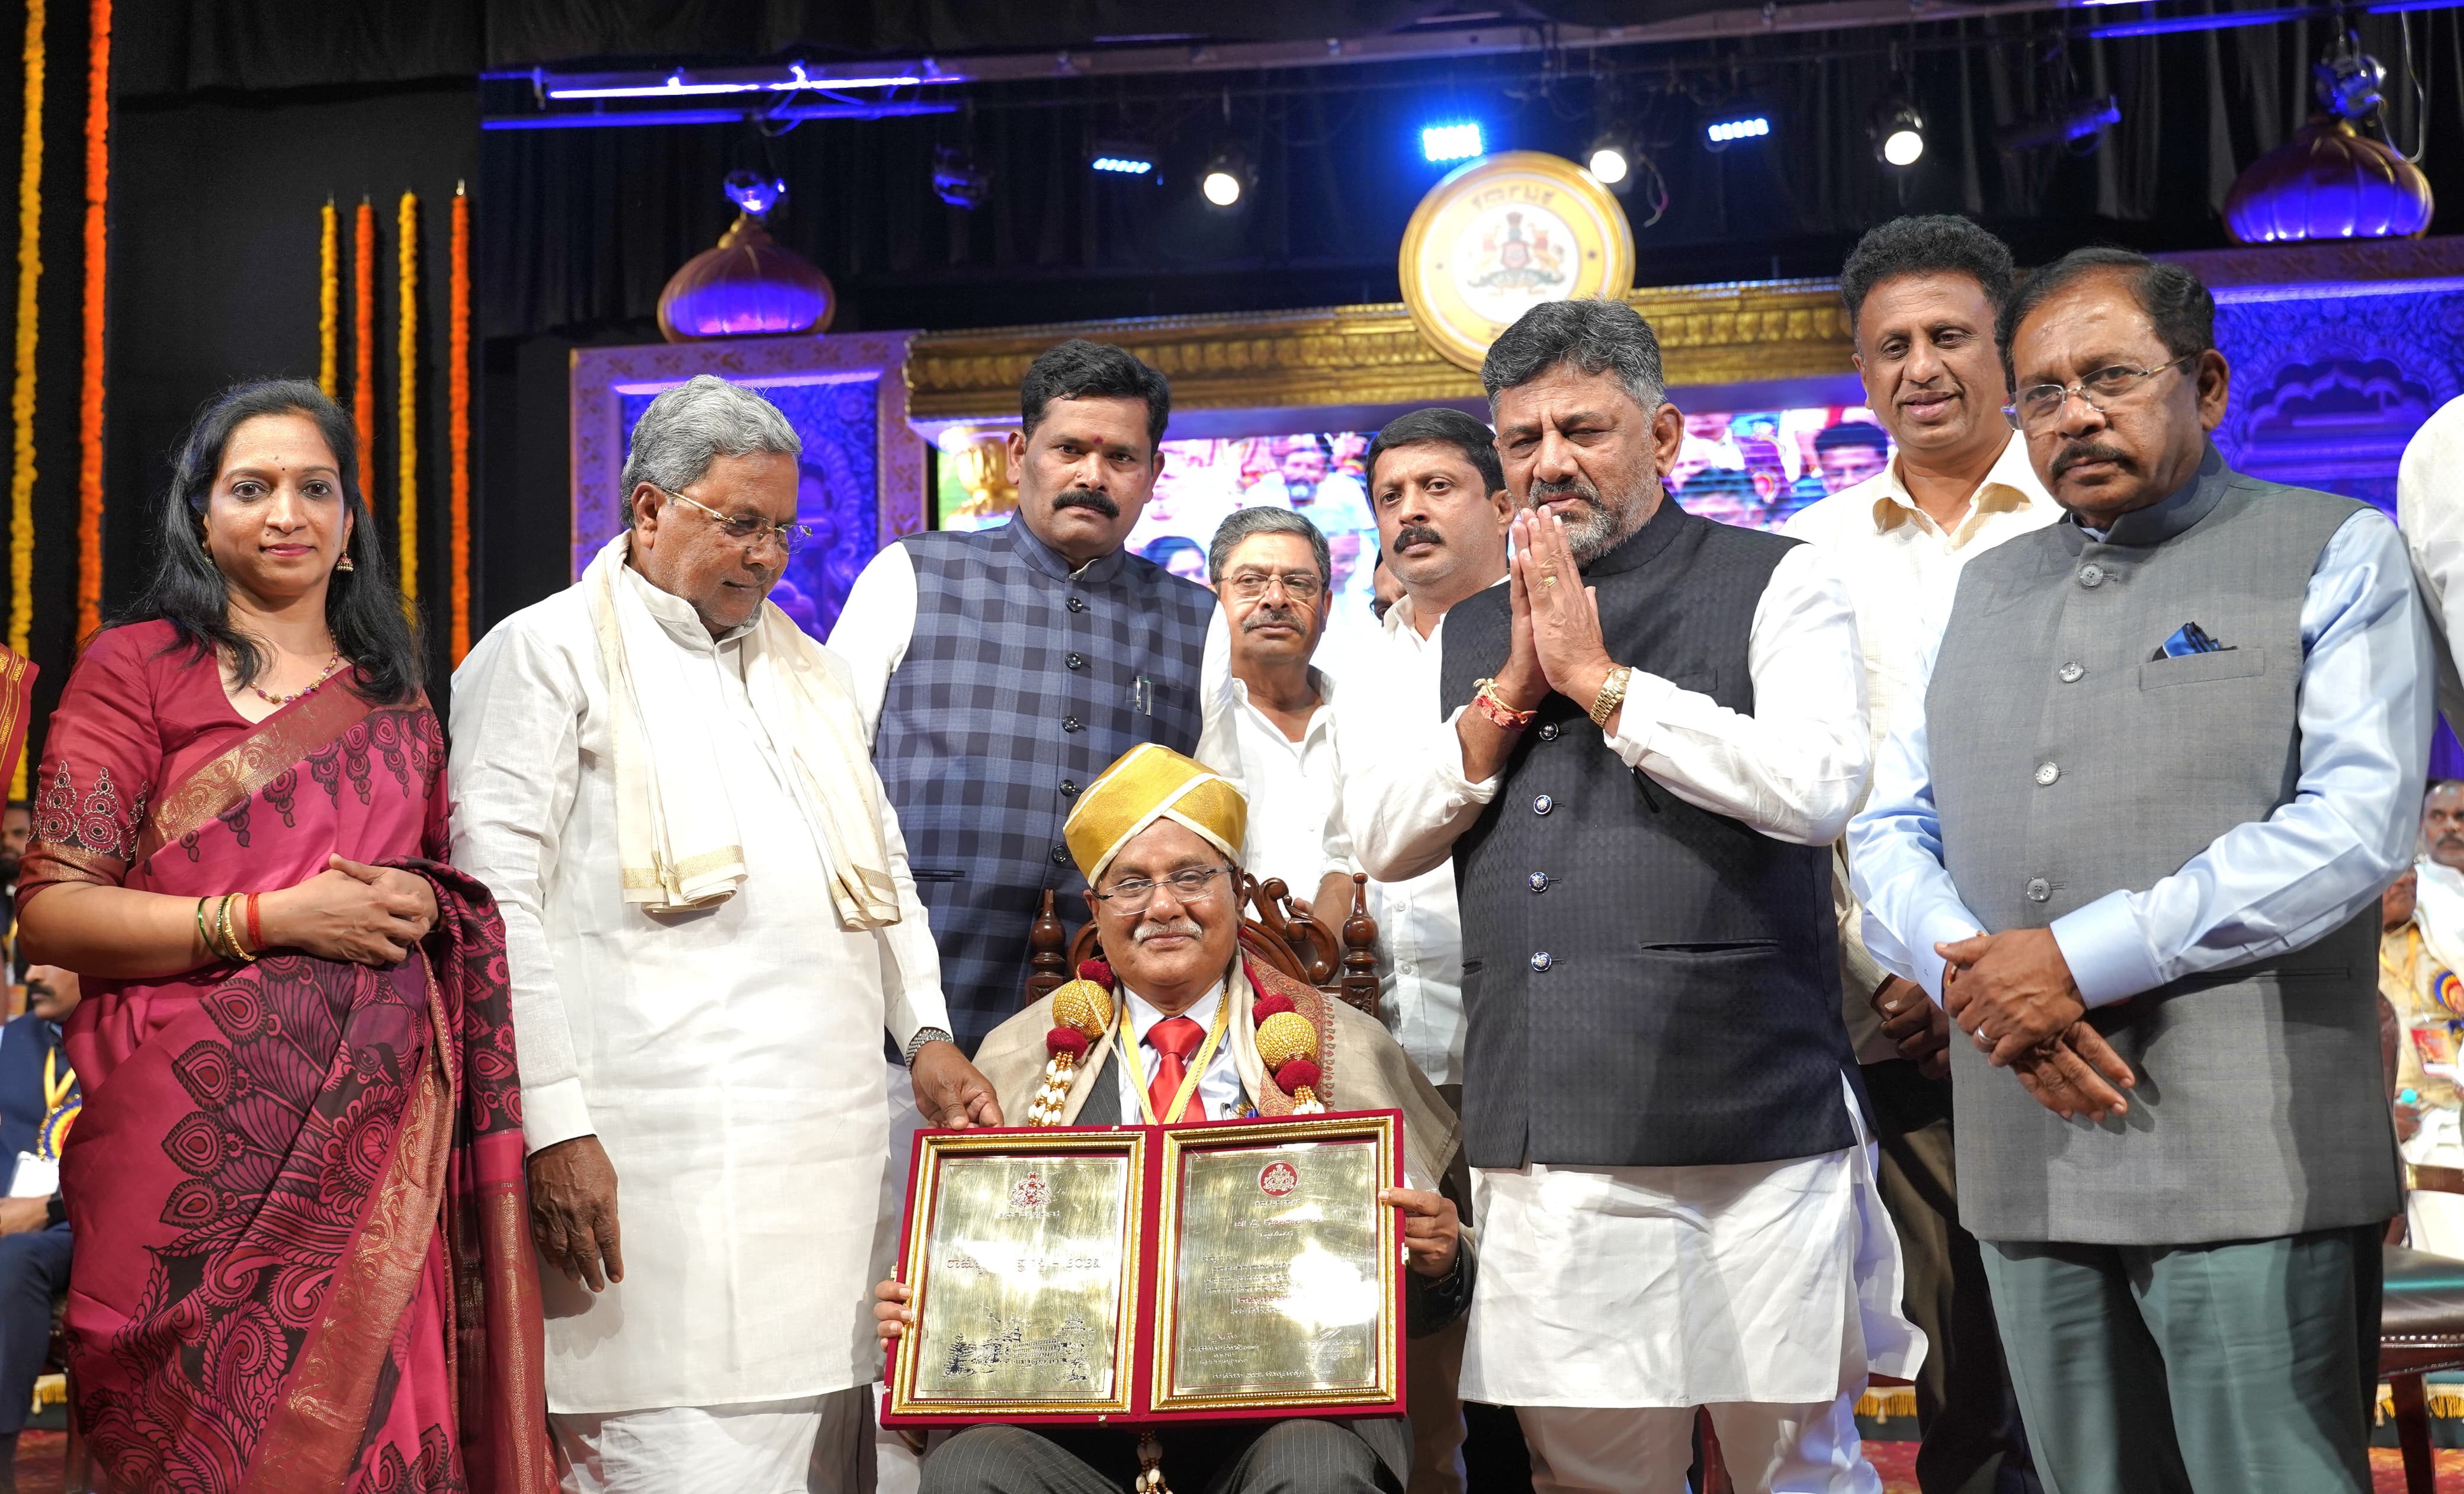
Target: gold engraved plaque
[
  {"x": 1281, "y": 1288},
  {"x": 1022, "y": 1255}
]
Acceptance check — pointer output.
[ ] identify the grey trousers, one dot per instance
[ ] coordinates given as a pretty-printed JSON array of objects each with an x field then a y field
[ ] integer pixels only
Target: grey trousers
[
  {"x": 2245, "y": 1367},
  {"x": 1297, "y": 1457}
]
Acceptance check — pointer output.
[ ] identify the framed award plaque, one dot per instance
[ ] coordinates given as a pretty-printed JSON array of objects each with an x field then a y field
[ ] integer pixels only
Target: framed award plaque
[{"x": 1234, "y": 1269}]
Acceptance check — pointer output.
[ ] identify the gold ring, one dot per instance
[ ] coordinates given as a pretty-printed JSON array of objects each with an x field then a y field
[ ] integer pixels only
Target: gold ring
[{"x": 1549, "y": 579}]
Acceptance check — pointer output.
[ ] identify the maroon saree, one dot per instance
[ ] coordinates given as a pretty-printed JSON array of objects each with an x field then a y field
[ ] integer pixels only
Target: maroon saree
[{"x": 302, "y": 1260}]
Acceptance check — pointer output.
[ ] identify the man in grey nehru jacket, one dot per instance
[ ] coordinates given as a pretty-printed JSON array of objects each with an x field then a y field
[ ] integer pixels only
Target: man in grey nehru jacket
[{"x": 2131, "y": 827}]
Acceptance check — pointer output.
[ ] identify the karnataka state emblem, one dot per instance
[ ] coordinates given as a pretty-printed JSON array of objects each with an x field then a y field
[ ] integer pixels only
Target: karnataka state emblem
[
  {"x": 1029, "y": 1194},
  {"x": 1278, "y": 1179},
  {"x": 1500, "y": 235}
]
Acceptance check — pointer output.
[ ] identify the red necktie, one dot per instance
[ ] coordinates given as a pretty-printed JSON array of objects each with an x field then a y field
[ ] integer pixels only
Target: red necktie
[{"x": 1174, "y": 1038}]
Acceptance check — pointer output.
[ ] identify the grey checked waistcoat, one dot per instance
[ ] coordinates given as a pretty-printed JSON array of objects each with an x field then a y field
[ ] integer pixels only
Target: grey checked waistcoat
[
  {"x": 1647, "y": 983},
  {"x": 1021, "y": 684},
  {"x": 2067, "y": 764}
]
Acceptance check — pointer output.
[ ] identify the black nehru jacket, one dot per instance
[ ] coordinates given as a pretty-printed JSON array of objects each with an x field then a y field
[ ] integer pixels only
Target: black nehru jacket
[{"x": 1648, "y": 984}]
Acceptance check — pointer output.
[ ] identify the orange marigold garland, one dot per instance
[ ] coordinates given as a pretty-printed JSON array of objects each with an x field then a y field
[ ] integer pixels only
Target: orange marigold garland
[
  {"x": 457, "y": 380},
  {"x": 363, "y": 345},
  {"x": 29, "y": 276},
  {"x": 329, "y": 298},
  {"x": 97, "y": 195},
  {"x": 1287, "y": 1046},
  {"x": 406, "y": 407}
]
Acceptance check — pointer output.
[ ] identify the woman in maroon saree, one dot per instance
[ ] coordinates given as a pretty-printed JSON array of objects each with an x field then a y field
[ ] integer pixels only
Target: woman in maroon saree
[{"x": 302, "y": 1258}]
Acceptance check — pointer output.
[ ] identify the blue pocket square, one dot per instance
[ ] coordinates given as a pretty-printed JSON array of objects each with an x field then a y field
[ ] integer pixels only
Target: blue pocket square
[{"x": 2188, "y": 639}]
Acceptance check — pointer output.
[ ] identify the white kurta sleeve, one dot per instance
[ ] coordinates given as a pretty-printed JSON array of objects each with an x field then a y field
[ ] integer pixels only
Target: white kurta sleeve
[
  {"x": 875, "y": 628},
  {"x": 1794, "y": 768},
  {"x": 515, "y": 768},
  {"x": 2429, "y": 510}
]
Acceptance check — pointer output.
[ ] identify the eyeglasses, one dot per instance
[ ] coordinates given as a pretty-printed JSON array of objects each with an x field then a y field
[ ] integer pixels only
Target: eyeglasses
[
  {"x": 1133, "y": 895},
  {"x": 2041, "y": 405},
  {"x": 1251, "y": 585},
  {"x": 750, "y": 531}
]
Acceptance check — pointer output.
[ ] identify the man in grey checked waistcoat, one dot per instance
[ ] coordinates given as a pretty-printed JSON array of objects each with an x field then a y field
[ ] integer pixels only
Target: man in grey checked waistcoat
[
  {"x": 2134, "y": 836},
  {"x": 999, "y": 671}
]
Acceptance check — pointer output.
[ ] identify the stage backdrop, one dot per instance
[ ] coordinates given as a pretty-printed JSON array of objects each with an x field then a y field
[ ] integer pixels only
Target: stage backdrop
[{"x": 860, "y": 480}]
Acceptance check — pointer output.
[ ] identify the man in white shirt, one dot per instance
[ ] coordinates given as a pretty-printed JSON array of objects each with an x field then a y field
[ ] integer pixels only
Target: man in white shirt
[
  {"x": 1921, "y": 294},
  {"x": 1655, "y": 733},
  {"x": 709, "y": 926},
  {"x": 1442, "y": 509},
  {"x": 1272, "y": 572}
]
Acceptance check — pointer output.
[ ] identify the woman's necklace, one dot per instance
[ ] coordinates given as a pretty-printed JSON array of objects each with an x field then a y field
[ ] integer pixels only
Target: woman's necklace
[{"x": 323, "y": 675}]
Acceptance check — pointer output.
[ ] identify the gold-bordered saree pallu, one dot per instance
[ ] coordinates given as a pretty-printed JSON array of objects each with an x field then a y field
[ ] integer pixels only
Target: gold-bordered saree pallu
[{"x": 303, "y": 1262}]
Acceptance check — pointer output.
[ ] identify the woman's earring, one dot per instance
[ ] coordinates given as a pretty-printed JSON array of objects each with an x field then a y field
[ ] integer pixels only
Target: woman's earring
[{"x": 344, "y": 564}]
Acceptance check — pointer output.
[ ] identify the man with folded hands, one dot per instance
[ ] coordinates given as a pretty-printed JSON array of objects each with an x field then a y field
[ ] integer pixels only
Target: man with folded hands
[
  {"x": 2131, "y": 827},
  {"x": 1180, "y": 1023}
]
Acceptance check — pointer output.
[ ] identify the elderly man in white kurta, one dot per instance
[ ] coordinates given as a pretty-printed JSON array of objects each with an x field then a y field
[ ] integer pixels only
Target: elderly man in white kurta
[{"x": 709, "y": 925}]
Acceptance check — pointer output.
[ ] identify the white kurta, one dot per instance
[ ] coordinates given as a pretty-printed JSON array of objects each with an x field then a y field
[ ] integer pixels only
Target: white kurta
[
  {"x": 1291, "y": 786},
  {"x": 1629, "y": 1287},
  {"x": 728, "y": 1059}
]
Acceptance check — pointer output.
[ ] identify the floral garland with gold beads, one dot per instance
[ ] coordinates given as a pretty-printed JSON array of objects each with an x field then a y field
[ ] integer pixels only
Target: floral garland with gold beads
[{"x": 1082, "y": 1010}]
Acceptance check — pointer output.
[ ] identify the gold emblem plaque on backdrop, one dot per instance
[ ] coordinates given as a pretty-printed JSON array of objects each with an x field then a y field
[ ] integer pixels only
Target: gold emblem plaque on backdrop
[
  {"x": 1502, "y": 234},
  {"x": 1023, "y": 1252},
  {"x": 1281, "y": 1288}
]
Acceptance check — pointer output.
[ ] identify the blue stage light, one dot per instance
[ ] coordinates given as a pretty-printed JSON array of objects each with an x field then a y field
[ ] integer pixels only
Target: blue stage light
[
  {"x": 1723, "y": 130},
  {"x": 1123, "y": 165},
  {"x": 1122, "y": 157},
  {"x": 1451, "y": 141}
]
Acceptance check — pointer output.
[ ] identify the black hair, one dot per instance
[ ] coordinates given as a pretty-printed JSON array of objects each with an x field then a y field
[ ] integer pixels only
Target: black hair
[
  {"x": 363, "y": 609},
  {"x": 1082, "y": 370},
  {"x": 1853, "y": 432},
  {"x": 2176, "y": 302},
  {"x": 1465, "y": 434},
  {"x": 1593, "y": 336},
  {"x": 1929, "y": 243}
]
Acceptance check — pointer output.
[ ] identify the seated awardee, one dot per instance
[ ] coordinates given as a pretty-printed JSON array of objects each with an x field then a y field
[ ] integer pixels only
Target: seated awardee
[{"x": 1156, "y": 836}]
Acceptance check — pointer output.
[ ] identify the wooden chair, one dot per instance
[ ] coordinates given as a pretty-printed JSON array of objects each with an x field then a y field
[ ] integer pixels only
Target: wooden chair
[
  {"x": 2421, "y": 1332},
  {"x": 1298, "y": 944}
]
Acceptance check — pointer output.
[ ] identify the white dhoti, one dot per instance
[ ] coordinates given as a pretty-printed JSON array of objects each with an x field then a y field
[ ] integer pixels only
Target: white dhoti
[
  {"x": 2434, "y": 1219},
  {"x": 1652, "y": 1291},
  {"x": 800, "y": 1446}
]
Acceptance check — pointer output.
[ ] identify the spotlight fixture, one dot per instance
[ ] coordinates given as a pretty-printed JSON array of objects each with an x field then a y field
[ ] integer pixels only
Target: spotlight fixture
[
  {"x": 1897, "y": 132},
  {"x": 1611, "y": 159},
  {"x": 2068, "y": 124},
  {"x": 1228, "y": 176},
  {"x": 1743, "y": 120},
  {"x": 1124, "y": 158},
  {"x": 957, "y": 179},
  {"x": 1457, "y": 141}
]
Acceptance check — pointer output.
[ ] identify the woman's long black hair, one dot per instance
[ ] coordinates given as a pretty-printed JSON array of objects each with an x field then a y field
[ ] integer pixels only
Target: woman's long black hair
[{"x": 363, "y": 607}]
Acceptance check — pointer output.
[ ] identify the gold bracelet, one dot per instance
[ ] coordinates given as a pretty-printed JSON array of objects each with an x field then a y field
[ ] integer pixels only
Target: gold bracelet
[
  {"x": 230, "y": 940},
  {"x": 1611, "y": 696}
]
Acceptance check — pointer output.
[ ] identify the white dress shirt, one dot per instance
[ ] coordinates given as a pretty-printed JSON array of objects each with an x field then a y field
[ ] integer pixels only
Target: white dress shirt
[
  {"x": 1394, "y": 693},
  {"x": 1219, "y": 1088},
  {"x": 2430, "y": 509},
  {"x": 1290, "y": 788},
  {"x": 2260, "y": 888},
  {"x": 878, "y": 622},
  {"x": 1901, "y": 569},
  {"x": 728, "y": 1059}
]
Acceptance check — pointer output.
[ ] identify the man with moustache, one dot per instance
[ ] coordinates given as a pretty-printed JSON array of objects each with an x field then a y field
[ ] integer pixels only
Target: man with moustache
[
  {"x": 999, "y": 671},
  {"x": 38, "y": 1104},
  {"x": 1651, "y": 735},
  {"x": 1441, "y": 507},
  {"x": 2419, "y": 956},
  {"x": 1270, "y": 569},
  {"x": 1920, "y": 294},
  {"x": 2135, "y": 827}
]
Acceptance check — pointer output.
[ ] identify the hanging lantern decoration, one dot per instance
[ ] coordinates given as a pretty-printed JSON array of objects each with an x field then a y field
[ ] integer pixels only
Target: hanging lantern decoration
[
  {"x": 2331, "y": 181},
  {"x": 748, "y": 286}
]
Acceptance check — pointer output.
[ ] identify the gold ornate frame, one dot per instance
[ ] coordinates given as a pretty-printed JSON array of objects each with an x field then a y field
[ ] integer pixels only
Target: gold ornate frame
[{"x": 1551, "y": 183}]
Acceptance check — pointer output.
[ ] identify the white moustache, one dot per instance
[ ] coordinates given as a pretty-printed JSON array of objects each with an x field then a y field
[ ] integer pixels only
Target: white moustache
[{"x": 1156, "y": 931}]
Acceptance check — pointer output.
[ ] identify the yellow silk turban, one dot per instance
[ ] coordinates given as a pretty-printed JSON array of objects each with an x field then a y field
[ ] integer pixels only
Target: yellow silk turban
[{"x": 1144, "y": 784}]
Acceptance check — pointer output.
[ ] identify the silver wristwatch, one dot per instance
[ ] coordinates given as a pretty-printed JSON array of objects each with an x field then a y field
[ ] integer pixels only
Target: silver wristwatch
[{"x": 924, "y": 1035}]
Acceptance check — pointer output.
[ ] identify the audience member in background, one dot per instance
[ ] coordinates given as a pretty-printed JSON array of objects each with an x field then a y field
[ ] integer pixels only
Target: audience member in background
[
  {"x": 1921, "y": 294},
  {"x": 38, "y": 1106},
  {"x": 1650, "y": 739},
  {"x": 1183, "y": 557},
  {"x": 1441, "y": 515},
  {"x": 2150, "y": 784},
  {"x": 1850, "y": 452},
  {"x": 1269, "y": 566},
  {"x": 2420, "y": 956},
  {"x": 710, "y": 924},
  {"x": 303, "y": 1171},
  {"x": 1385, "y": 588},
  {"x": 1766, "y": 478}
]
